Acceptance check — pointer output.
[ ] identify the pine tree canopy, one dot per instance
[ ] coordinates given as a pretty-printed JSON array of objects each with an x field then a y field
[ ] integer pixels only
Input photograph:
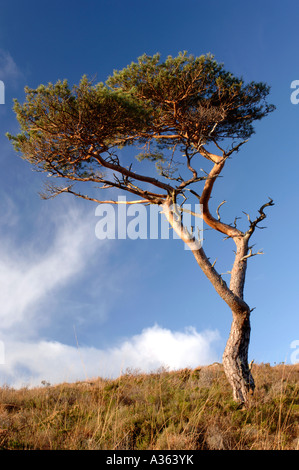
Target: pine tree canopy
[{"x": 184, "y": 104}]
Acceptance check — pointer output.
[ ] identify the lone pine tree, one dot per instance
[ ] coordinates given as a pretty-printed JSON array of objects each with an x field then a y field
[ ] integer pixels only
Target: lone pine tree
[{"x": 178, "y": 113}]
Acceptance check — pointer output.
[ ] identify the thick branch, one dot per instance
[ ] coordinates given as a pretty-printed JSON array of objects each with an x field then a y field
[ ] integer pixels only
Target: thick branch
[
  {"x": 210, "y": 156},
  {"x": 204, "y": 200},
  {"x": 238, "y": 272}
]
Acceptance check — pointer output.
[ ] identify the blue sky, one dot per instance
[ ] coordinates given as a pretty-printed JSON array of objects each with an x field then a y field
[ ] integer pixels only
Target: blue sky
[{"x": 73, "y": 306}]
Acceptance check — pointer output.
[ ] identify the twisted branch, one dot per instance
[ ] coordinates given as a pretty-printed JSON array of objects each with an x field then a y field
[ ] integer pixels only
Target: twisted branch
[{"x": 262, "y": 216}]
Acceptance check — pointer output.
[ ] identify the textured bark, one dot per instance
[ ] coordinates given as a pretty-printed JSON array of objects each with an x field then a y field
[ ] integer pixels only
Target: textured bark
[{"x": 235, "y": 358}]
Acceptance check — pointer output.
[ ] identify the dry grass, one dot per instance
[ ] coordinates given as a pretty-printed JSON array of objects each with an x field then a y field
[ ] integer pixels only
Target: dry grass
[{"x": 184, "y": 410}]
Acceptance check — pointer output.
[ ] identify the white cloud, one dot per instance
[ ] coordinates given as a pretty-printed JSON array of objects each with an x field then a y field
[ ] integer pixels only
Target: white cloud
[
  {"x": 30, "y": 363},
  {"x": 157, "y": 346}
]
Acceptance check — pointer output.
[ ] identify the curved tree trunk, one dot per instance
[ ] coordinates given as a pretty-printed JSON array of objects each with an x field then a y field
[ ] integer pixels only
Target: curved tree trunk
[{"x": 235, "y": 358}]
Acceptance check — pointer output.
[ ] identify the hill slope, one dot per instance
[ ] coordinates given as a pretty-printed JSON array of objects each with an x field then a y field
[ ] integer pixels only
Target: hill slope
[{"x": 187, "y": 409}]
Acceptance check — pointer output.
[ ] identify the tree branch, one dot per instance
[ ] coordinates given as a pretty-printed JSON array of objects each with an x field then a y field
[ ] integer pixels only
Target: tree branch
[
  {"x": 124, "y": 171},
  {"x": 217, "y": 210},
  {"x": 210, "y": 156},
  {"x": 204, "y": 200},
  {"x": 262, "y": 216},
  {"x": 250, "y": 254},
  {"x": 68, "y": 189}
]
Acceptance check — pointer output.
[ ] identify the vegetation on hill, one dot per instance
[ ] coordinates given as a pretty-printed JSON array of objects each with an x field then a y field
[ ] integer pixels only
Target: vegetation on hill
[{"x": 182, "y": 410}]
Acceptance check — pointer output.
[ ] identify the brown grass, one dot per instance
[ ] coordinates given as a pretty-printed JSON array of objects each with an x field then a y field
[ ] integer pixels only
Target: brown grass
[{"x": 183, "y": 410}]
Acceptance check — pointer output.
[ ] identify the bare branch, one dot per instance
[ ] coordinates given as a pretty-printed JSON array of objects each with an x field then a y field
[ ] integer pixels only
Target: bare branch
[
  {"x": 83, "y": 196},
  {"x": 195, "y": 178},
  {"x": 217, "y": 210},
  {"x": 236, "y": 148},
  {"x": 195, "y": 214},
  {"x": 250, "y": 254},
  {"x": 247, "y": 215},
  {"x": 235, "y": 221},
  {"x": 262, "y": 216}
]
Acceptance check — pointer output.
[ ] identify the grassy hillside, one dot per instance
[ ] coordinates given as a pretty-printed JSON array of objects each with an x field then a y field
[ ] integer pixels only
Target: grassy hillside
[{"x": 188, "y": 409}]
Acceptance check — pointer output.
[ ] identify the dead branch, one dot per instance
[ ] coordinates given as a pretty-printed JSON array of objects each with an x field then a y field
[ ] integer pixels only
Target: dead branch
[
  {"x": 250, "y": 254},
  {"x": 217, "y": 210},
  {"x": 235, "y": 221},
  {"x": 236, "y": 148},
  {"x": 262, "y": 216},
  {"x": 75, "y": 193}
]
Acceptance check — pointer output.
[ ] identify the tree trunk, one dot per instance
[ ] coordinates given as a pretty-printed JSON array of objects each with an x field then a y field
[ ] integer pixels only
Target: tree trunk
[{"x": 235, "y": 358}]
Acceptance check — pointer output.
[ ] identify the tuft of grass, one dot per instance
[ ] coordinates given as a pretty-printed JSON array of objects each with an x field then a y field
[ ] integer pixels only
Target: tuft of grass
[{"x": 182, "y": 410}]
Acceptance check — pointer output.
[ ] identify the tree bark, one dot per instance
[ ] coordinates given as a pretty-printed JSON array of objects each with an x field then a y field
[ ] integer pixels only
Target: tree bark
[{"x": 235, "y": 358}]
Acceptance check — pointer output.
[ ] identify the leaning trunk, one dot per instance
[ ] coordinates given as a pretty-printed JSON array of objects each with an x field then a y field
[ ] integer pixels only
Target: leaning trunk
[{"x": 235, "y": 358}]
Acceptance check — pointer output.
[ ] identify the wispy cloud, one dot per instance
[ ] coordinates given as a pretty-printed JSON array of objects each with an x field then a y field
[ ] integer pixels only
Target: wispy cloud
[
  {"x": 9, "y": 71},
  {"x": 28, "y": 274},
  {"x": 8, "y": 211}
]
